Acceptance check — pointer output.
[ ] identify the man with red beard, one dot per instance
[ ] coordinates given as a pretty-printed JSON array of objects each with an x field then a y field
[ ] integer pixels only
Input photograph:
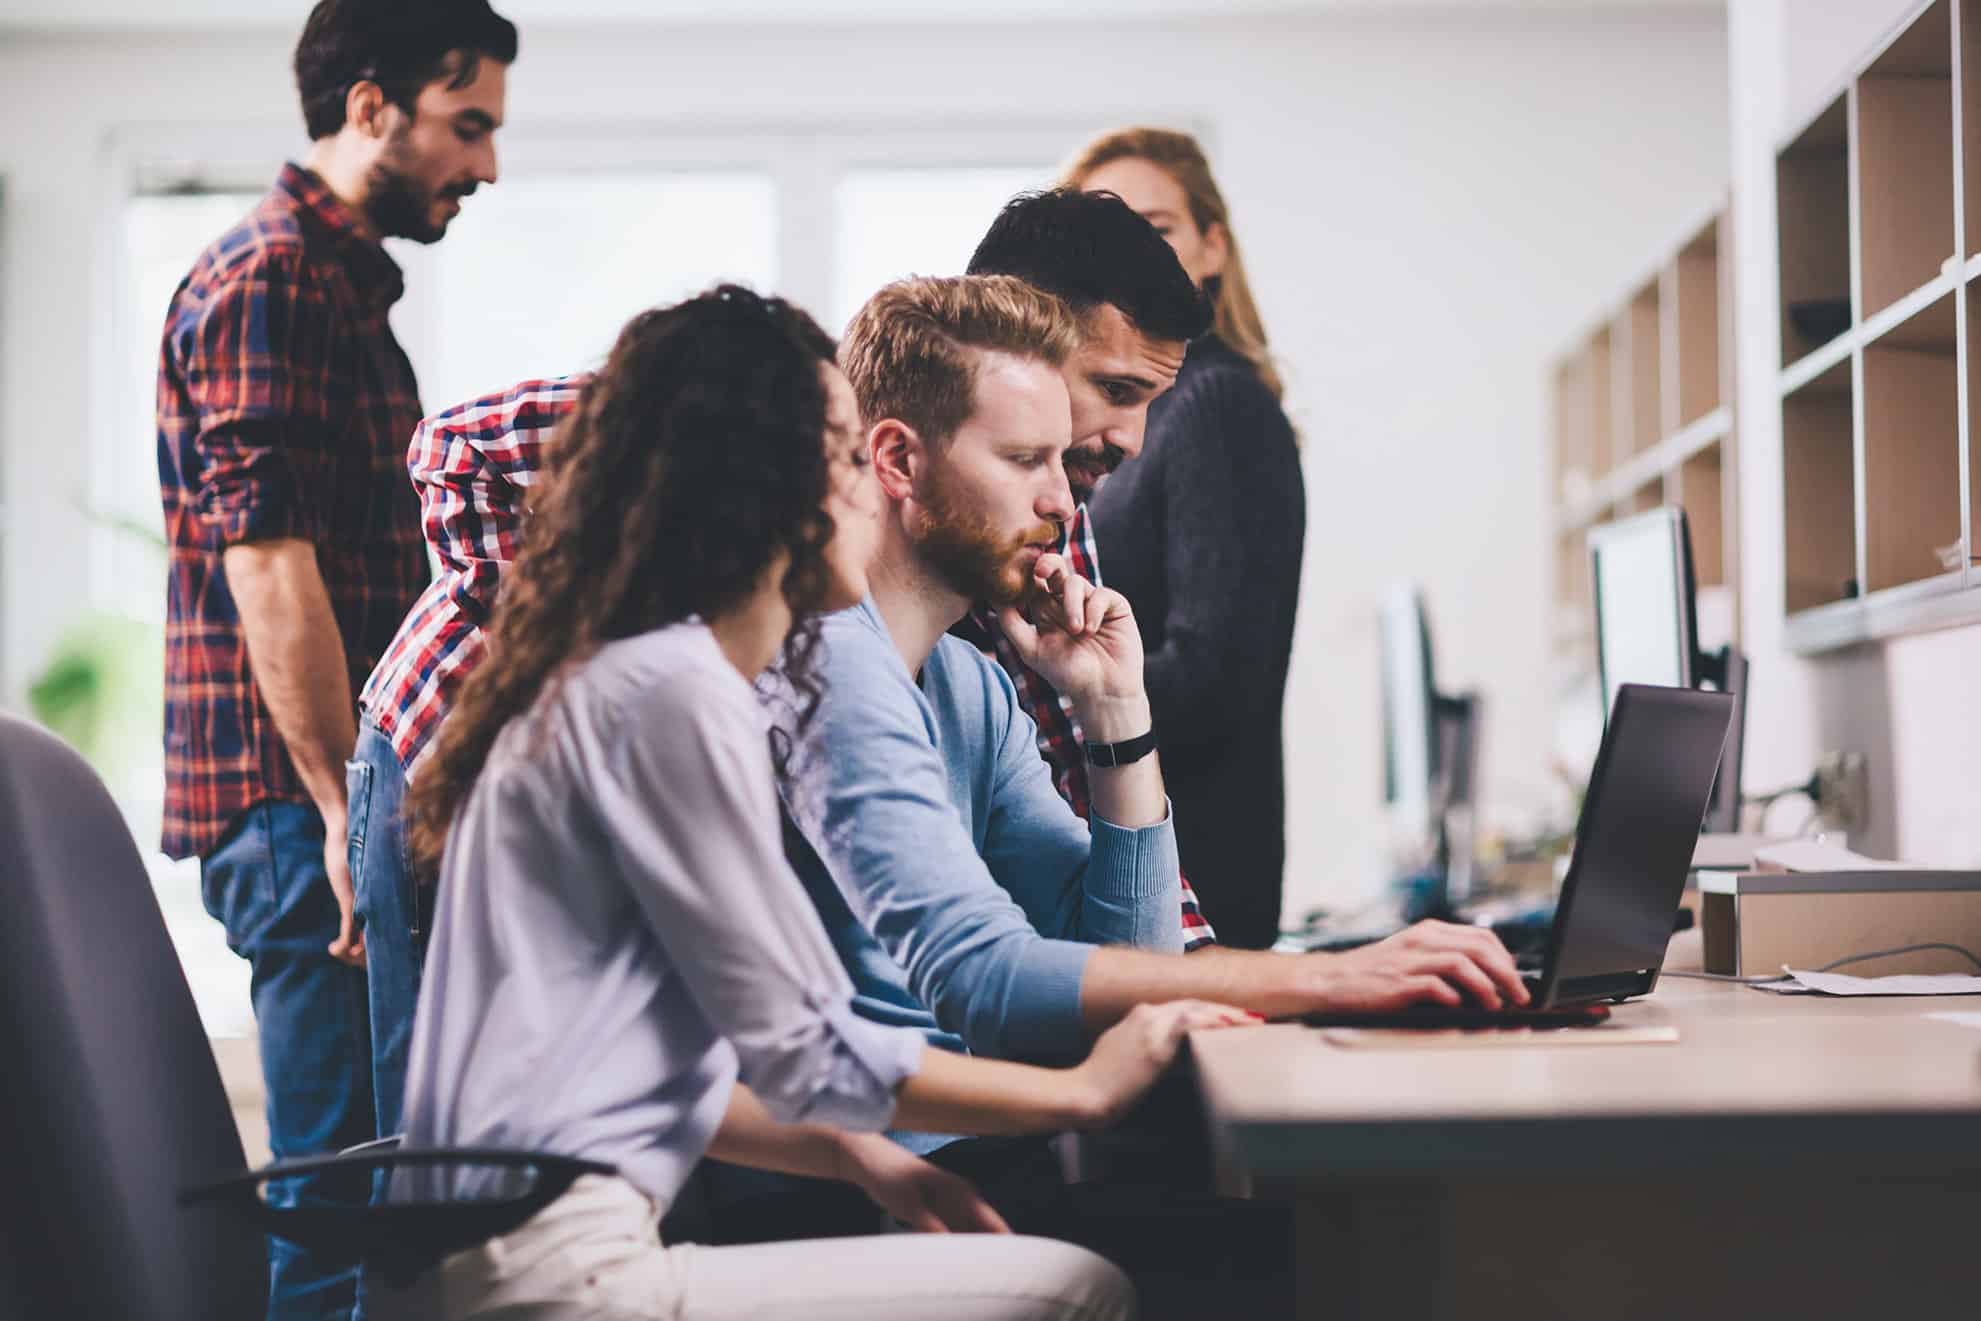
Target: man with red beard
[{"x": 963, "y": 893}]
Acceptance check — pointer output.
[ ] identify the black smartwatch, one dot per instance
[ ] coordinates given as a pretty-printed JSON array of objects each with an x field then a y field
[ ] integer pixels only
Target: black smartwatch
[{"x": 1123, "y": 753}]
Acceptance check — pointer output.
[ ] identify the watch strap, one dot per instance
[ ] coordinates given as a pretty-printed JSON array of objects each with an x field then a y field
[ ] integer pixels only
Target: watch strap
[{"x": 1122, "y": 753}]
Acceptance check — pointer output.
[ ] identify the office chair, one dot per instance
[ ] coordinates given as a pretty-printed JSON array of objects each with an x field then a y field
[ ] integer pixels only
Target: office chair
[{"x": 124, "y": 1177}]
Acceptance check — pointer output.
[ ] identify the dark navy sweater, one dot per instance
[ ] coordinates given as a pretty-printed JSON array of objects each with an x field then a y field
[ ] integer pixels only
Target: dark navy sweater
[{"x": 1203, "y": 534}]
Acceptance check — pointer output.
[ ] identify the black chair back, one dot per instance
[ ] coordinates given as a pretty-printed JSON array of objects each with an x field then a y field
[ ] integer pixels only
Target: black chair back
[{"x": 112, "y": 1101}]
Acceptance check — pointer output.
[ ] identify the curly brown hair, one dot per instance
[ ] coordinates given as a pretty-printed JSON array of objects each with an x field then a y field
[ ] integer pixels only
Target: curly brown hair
[{"x": 693, "y": 459}]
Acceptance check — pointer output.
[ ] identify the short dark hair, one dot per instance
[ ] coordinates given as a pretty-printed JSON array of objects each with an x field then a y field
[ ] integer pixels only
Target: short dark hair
[
  {"x": 1090, "y": 249},
  {"x": 402, "y": 45}
]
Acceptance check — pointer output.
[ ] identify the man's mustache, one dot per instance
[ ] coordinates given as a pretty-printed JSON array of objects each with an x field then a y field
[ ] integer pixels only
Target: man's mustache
[{"x": 1100, "y": 462}]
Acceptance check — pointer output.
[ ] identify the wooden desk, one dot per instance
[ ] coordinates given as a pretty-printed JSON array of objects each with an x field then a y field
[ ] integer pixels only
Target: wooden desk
[{"x": 1788, "y": 1154}]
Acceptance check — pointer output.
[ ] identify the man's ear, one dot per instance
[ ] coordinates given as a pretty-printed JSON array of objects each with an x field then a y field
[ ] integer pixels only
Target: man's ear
[
  {"x": 900, "y": 457},
  {"x": 367, "y": 109}
]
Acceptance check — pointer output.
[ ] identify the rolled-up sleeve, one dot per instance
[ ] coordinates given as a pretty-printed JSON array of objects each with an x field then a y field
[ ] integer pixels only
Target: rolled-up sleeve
[
  {"x": 692, "y": 816},
  {"x": 255, "y": 359}
]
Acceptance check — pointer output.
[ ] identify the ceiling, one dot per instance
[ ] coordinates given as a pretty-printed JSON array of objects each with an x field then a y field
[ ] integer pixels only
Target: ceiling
[{"x": 179, "y": 15}]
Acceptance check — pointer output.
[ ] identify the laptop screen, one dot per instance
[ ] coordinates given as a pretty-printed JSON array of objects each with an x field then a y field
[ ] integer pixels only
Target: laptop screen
[{"x": 1640, "y": 820}]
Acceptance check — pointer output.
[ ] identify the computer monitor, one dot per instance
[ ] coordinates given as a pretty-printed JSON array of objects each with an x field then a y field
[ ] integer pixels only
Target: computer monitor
[
  {"x": 1410, "y": 737},
  {"x": 1647, "y": 630},
  {"x": 1430, "y": 746},
  {"x": 1646, "y": 620}
]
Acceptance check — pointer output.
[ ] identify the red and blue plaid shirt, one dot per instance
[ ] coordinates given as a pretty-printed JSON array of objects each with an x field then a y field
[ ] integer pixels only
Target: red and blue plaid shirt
[
  {"x": 471, "y": 466},
  {"x": 1060, "y": 740},
  {"x": 283, "y": 405}
]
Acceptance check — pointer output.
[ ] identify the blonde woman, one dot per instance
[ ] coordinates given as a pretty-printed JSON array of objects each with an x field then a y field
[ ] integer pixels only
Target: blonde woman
[{"x": 1215, "y": 499}]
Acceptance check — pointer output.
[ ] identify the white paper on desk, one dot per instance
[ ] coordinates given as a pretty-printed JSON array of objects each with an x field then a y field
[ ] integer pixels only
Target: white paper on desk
[
  {"x": 1818, "y": 855},
  {"x": 1498, "y": 1038},
  {"x": 1963, "y": 1020},
  {"x": 1839, "y": 983}
]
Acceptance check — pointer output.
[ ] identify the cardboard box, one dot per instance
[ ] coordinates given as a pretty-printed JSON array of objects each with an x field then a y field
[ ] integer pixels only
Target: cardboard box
[{"x": 1755, "y": 922}]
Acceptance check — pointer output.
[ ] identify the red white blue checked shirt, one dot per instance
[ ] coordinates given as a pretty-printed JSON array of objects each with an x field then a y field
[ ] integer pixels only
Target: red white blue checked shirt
[
  {"x": 283, "y": 403},
  {"x": 1060, "y": 740},
  {"x": 471, "y": 466}
]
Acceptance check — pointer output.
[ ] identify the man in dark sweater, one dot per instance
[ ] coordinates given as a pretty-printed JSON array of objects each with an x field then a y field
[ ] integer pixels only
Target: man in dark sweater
[{"x": 1216, "y": 500}]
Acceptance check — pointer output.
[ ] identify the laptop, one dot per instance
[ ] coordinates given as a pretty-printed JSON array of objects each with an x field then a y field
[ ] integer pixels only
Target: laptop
[{"x": 1633, "y": 846}]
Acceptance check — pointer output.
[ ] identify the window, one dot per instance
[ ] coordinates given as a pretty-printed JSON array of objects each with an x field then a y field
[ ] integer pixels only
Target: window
[
  {"x": 912, "y": 221},
  {"x": 539, "y": 273}
]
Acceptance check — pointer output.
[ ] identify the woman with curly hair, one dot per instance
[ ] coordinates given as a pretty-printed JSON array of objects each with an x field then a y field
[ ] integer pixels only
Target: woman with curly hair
[{"x": 623, "y": 967}]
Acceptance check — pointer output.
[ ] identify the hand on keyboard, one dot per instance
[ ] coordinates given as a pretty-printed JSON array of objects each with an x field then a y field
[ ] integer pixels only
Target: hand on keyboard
[{"x": 1431, "y": 962}]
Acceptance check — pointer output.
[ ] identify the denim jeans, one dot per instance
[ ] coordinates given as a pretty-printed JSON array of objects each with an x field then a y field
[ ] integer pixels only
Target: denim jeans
[
  {"x": 266, "y": 884},
  {"x": 395, "y": 934}
]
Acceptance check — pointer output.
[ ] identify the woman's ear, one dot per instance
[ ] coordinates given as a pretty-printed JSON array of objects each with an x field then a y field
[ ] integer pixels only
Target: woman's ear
[{"x": 899, "y": 457}]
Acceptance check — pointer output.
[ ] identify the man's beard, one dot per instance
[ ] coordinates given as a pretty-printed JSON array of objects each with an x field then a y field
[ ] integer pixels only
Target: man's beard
[
  {"x": 965, "y": 551},
  {"x": 398, "y": 206},
  {"x": 1086, "y": 467}
]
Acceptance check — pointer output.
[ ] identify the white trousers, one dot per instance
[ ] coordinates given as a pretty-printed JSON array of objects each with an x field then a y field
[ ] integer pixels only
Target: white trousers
[{"x": 596, "y": 1253}]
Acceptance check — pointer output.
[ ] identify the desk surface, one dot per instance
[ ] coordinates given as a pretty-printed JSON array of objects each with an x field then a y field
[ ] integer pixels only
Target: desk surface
[{"x": 1754, "y": 1075}]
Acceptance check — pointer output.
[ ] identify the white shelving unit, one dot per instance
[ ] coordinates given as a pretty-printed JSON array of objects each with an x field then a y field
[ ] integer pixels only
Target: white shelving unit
[{"x": 1879, "y": 215}]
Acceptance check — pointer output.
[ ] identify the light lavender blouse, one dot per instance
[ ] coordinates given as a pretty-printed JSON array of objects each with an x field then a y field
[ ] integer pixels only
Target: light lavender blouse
[{"x": 619, "y": 936}]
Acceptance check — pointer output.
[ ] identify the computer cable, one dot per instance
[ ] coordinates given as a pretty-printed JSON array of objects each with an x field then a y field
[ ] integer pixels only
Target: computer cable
[{"x": 1832, "y": 966}]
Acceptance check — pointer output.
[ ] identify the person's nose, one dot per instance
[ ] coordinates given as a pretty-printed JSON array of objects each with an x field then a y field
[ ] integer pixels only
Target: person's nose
[
  {"x": 1127, "y": 432},
  {"x": 485, "y": 163},
  {"x": 1055, "y": 504}
]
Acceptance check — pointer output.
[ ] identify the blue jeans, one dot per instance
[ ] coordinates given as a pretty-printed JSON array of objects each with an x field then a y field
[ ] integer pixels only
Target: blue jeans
[
  {"x": 266, "y": 884},
  {"x": 387, "y": 900}
]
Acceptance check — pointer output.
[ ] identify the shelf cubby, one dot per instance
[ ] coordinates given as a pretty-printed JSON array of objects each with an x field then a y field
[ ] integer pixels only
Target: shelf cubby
[
  {"x": 1701, "y": 492},
  {"x": 1641, "y": 335},
  {"x": 1812, "y": 181},
  {"x": 1819, "y": 516},
  {"x": 1905, "y": 165},
  {"x": 1911, "y": 449},
  {"x": 1574, "y": 431},
  {"x": 1602, "y": 413},
  {"x": 1692, "y": 329}
]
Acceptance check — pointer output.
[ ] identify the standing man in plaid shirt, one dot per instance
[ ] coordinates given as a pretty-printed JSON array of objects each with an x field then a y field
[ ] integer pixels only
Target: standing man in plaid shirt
[{"x": 284, "y": 402}]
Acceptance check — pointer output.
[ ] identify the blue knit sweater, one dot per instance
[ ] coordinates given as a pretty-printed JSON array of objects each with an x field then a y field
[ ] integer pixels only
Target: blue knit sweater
[{"x": 962, "y": 893}]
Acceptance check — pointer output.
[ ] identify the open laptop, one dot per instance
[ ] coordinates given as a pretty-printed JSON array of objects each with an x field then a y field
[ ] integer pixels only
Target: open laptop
[{"x": 1633, "y": 846}]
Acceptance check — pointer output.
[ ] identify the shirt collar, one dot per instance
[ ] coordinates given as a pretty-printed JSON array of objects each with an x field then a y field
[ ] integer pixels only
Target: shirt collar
[{"x": 377, "y": 277}]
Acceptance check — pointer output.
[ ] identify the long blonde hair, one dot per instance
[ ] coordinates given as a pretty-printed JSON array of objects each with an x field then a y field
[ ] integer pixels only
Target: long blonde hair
[{"x": 1178, "y": 155}]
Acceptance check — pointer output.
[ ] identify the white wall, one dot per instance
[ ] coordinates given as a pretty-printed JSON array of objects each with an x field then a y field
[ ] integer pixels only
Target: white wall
[
  {"x": 1910, "y": 704},
  {"x": 1431, "y": 203}
]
